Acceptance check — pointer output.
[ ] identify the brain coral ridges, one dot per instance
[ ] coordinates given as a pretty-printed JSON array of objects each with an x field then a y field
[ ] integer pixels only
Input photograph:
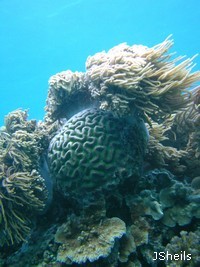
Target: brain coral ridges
[{"x": 91, "y": 150}]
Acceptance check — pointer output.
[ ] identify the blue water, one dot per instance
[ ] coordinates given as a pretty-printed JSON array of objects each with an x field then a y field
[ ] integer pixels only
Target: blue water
[{"x": 39, "y": 38}]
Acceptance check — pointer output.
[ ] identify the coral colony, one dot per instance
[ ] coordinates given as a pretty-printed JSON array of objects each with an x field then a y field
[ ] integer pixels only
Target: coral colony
[{"x": 111, "y": 176}]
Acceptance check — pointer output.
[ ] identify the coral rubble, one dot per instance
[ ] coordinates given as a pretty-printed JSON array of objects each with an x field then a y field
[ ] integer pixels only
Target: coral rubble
[{"x": 111, "y": 176}]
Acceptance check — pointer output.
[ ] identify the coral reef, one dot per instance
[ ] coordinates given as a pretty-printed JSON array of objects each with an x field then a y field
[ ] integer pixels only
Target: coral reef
[{"x": 111, "y": 176}]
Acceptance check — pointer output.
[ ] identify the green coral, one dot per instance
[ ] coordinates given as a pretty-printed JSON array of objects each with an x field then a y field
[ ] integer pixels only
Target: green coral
[
  {"x": 145, "y": 203},
  {"x": 92, "y": 150},
  {"x": 178, "y": 204}
]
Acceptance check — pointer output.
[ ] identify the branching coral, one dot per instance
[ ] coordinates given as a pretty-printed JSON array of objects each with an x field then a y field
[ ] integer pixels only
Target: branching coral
[
  {"x": 125, "y": 78},
  {"x": 66, "y": 80},
  {"x": 186, "y": 121},
  {"x": 22, "y": 142},
  {"x": 19, "y": 151},
  {"x": 175, "y": 142}
]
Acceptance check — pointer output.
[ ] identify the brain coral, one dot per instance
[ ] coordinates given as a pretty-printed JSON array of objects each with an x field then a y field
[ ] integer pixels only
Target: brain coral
[{"x": 94, "y": 149}]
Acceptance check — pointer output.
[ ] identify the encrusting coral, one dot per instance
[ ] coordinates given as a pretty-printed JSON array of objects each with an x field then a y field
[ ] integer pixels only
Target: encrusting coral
[{"x": 118, "y": 152}]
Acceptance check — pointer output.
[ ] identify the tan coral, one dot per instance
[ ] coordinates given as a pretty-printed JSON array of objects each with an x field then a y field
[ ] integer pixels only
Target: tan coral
[
  {"x": 186, "y": 125},
  {"x": 90, "y": 244},
  {"x": 66, "y": 80},
  {"x": 158, "y": 154},
  {"x": 17, "y": 120},
  {"x": 136, "y": 235},
  {"x": 22, "y": 142},
  {"x": 62, "y": 88},
  {"x": 22, "y": 190},
  {"x": 21, "y": 193},
  {"x": 146, "y": 74}
]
